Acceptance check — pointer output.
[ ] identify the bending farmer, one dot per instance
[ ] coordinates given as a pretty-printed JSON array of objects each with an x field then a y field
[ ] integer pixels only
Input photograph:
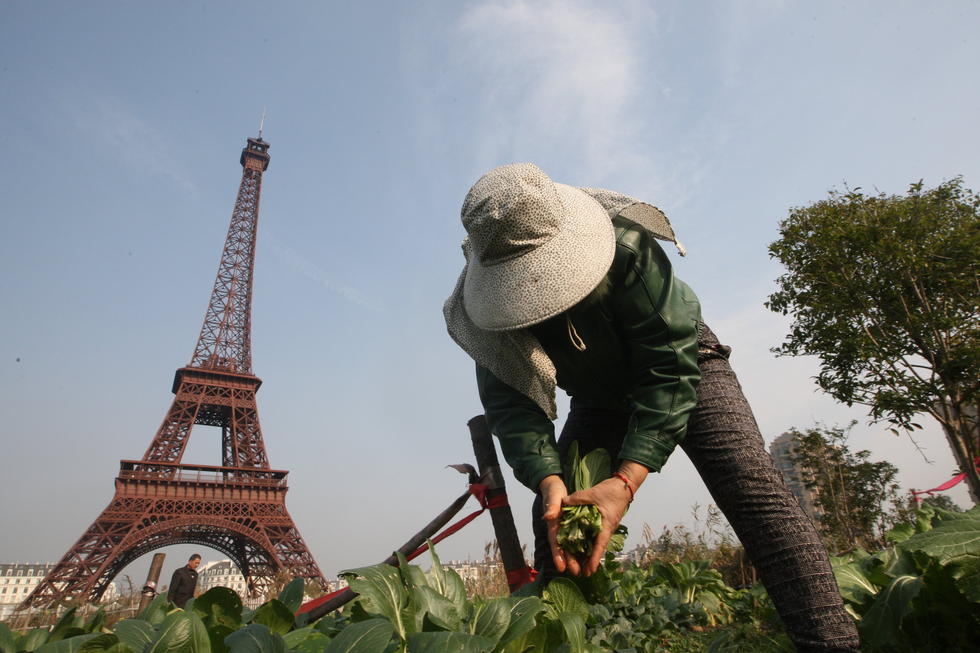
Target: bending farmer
[{"x": 568, "y": 287}]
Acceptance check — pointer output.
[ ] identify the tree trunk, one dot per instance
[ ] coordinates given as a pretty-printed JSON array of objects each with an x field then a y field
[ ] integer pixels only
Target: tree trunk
[{"x": 961, "y": 433}]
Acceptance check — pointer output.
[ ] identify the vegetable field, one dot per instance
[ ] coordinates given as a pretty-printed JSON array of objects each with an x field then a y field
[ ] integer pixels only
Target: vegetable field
[{"x": 921, "y": 594}]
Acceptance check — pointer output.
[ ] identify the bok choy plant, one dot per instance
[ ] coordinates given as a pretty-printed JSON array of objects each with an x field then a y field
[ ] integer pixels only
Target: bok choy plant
[{"x": 580, "y": 525}]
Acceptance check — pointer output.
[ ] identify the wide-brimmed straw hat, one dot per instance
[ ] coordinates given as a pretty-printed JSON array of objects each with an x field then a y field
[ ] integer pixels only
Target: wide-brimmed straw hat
[{"x": 534, "y": 247}]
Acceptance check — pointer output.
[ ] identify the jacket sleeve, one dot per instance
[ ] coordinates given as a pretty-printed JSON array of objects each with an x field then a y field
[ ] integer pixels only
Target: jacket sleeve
[
  {"x": 660, "y": 318},
  {"x": 527, "y": 436}
]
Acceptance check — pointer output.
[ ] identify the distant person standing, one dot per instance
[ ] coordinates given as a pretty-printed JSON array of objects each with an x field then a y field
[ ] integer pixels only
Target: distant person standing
[{"x": 183, "y": 582}]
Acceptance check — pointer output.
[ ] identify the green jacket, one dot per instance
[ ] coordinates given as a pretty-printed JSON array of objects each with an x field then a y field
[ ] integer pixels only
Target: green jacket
[{"x": 640, "y": 354}]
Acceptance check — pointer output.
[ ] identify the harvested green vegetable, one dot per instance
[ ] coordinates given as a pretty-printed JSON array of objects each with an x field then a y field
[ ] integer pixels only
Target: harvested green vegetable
[{"x": 580, "y": 525}]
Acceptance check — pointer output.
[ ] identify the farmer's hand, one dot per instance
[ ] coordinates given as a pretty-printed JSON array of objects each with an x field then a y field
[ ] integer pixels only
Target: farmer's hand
[
  {"x": 612, "y": 498},
  {"x": 553, "y": 495}
]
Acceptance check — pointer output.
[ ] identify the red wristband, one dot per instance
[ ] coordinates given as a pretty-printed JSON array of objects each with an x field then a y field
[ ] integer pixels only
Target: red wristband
[{"x": 626, "y": 482}]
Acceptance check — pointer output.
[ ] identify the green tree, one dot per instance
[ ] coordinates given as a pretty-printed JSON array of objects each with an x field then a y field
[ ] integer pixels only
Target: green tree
[
  {"x": 884, "y": 289},
  {"x": 906, "y": 512},
  {"x": 855, "y": 496},
  {"x": 943, "y": 502}
]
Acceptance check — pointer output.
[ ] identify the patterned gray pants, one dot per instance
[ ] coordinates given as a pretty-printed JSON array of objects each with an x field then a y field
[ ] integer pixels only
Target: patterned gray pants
[{"x": 724, "y": 443}]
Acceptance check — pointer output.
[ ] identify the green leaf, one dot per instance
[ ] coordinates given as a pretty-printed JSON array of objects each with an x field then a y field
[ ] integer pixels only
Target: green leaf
[
  {"x": 218, "y": 634},
  {"x": 66, "y": 623},
  {"x": 426, "y": 602},
  {"x": 952, "y": 540},
  {"x": 523, "y": 616},
  {"x": 534, "y": 588},
  {"x": 536, "y": 639},
  {"x": 31, "y": 639},
  {"x": 315, "y": 643},
  {"x": 447, "y": 582},
  {"x": 444, "y": 642},
  {"x": 955, "y": 540},
  {"x": 900, "y": 533},
  {"x": 75, "y": 631},
  {"x": 219, "y": 605},
  {"x": 412, "y": 575},
  {"x": 967, "y": 575},
  {"x": 381, "y": 592},
  {"x": 7, "y": 642},
  {"x": 580, "y": 525},
  {"x": 135, "y": 633},
  {"x": 881, "y": 626},
  {"x": 200, "y": 638},
  {"x": 490, "y": 619},
  {"x": 329, "y": 625},
  {"x": 67, "y": 645},
  {"x": 939, "y": 515},
  {"x": 96, "y": 623},
  {"x": 275, "y": 615},
  {"x": 574, "y": 626},
  {"x": 855, "y": 587},
  {"x": 292, "y": 594},
  {"x": 563, "y": 597},
  {"x": 296, "y": 637},
  {"x": 889, "y": 563},
  {"x": 596, "y": 467},
  {"x": 105, "y": 643},
  {"x": 157, "y": 611},
  {"x": 355, "y": 612},
  {"x": 255, "y": 638},
  {"x": 618, "y": 540},
  {"x": 175, "y": 635},
  {"x": 371, "y": 636}
]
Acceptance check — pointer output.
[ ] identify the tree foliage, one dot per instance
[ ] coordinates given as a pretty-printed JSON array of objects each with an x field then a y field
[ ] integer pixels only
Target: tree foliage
[
  {"x": 884, "y": 289},
  {"x": 942, "y": 502},
  {"x": 854, "y": 495}
]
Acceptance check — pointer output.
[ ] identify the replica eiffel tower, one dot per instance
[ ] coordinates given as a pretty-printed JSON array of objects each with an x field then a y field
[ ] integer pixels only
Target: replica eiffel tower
[{"x": 239, "y": 507}]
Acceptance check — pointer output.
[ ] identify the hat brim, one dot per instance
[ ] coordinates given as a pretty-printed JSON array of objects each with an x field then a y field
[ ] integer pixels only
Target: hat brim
[{"x": 550, "y": 278}]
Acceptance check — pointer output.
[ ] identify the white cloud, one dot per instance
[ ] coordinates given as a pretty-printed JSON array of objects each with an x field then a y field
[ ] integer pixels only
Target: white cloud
[
  {"x": 307, "y": 268},
  {"x": 133, "y": 139},
  {"x": 563, "y": 75},
  {"x": 741, "y": 24}
]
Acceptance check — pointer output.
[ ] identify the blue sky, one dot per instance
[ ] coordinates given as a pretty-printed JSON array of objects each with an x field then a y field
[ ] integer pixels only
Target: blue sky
[{"x": 123, "y": 124}]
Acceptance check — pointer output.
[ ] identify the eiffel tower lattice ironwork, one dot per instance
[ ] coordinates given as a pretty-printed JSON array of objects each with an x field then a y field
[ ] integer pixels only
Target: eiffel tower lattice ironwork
[{"x": 239, "y": 507}]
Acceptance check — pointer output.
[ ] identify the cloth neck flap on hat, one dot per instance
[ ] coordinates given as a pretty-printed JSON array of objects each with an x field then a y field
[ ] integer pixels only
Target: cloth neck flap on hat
[
  {"x": 516, "y": 357},
  {"x": 646, "y": 215}
]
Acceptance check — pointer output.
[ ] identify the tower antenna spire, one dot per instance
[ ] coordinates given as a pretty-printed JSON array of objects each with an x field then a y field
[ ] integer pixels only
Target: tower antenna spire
[{"x": 262, "y": 123}]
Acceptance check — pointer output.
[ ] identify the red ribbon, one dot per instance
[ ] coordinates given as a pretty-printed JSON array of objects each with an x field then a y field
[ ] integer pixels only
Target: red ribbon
[
  {"x": 478, "y": 490},
  {"x": 947, "y": 485},
  {"x": 518, "y": 577},
  {"x": 320, "y": 600}
]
